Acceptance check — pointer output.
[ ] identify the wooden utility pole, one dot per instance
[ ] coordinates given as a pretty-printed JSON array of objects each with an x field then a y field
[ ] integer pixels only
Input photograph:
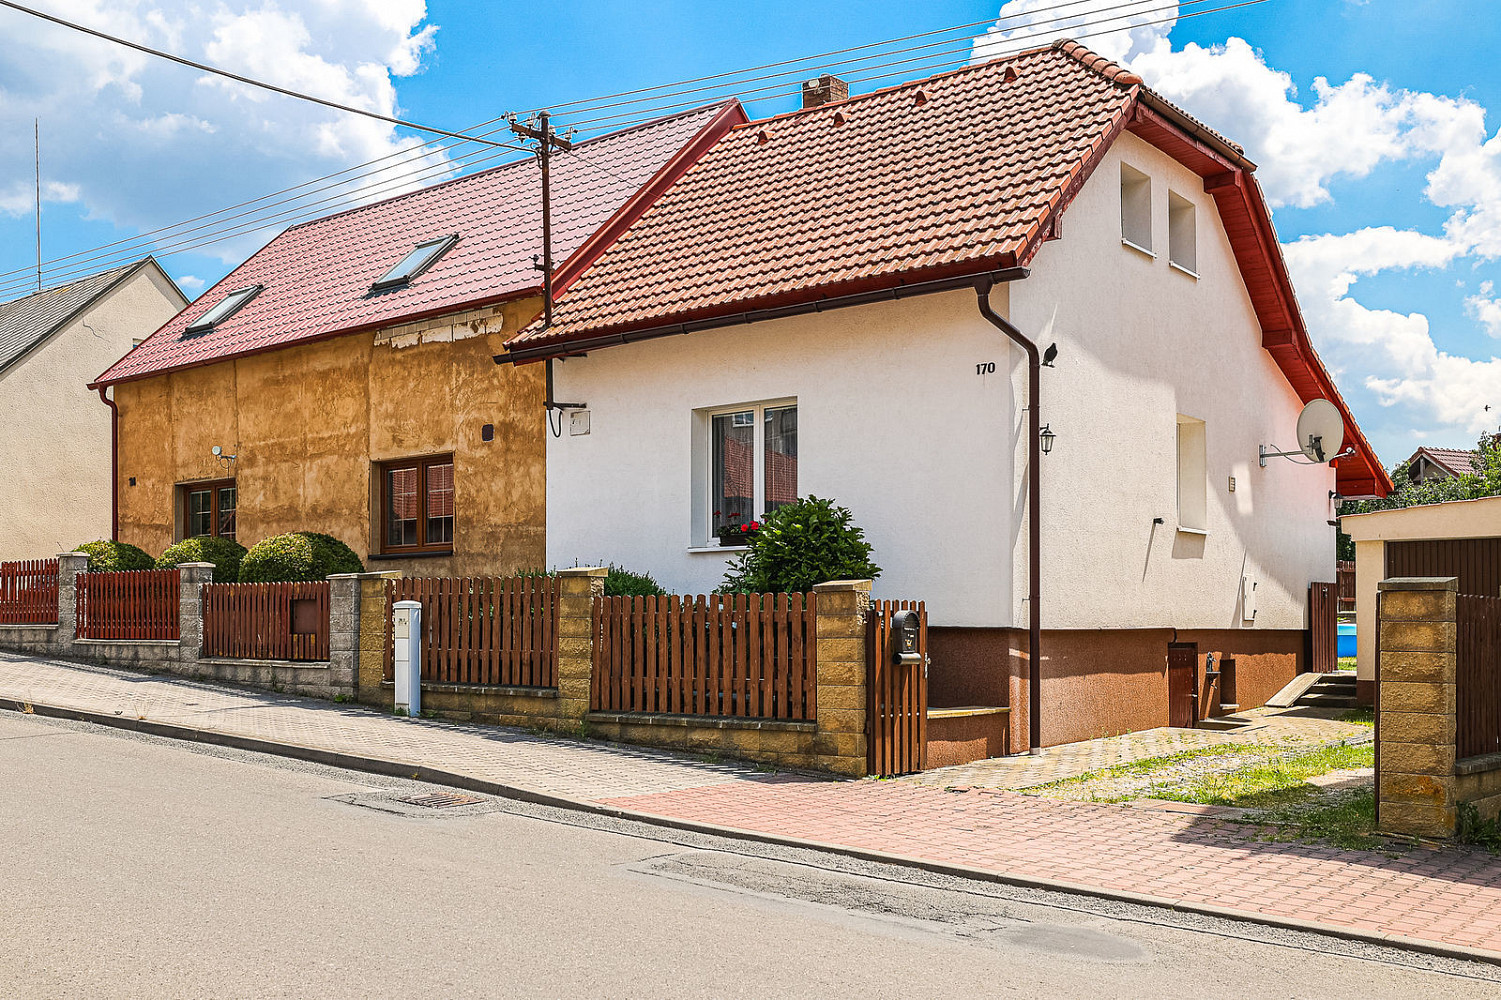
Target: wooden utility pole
[{"x": 546, "y": 140}]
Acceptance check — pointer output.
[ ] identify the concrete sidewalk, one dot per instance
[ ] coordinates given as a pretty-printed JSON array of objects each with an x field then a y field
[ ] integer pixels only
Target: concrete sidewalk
[{"x": 1449, "y": 899}]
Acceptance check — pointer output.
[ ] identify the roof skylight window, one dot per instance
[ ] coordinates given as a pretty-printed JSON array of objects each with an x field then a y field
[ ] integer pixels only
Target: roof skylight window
[
  {"x": 226, "y": 308},
  {"x": 415, "y": 263}
]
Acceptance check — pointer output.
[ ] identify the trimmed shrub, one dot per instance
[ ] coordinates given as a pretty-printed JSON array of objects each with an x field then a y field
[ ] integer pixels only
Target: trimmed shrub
[
  {"x": 224, "y": 553},
  {"x": 799, "y": 545},
  {"x": 619, "y": 582},
  {"x": 115, "y": 557},
  {"x": 624, "y": 583},
  {"x": 300, "y": 555}
]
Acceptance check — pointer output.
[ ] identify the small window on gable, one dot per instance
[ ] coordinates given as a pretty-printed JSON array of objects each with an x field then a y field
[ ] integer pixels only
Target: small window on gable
[
  {"x": 1193, "y": 475},
  {"x": 227, "y": 307},
  {"x": 1136, "y": 208},
  {"x": 414, "y": 263},
  {"x": 1182, "y": 233}
]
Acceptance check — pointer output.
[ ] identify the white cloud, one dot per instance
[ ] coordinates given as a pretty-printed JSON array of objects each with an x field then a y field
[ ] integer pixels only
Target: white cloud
[
  {"x": 1115, "y": 29},
  {"x": 1486, "y": 309},
  {"x": 142, "y": 143},
  {"x": 190, "y": 283}
]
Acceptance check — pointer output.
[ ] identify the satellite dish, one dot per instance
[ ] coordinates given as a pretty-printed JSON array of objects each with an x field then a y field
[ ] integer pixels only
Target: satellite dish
[{"x": 1321, "y": 431}]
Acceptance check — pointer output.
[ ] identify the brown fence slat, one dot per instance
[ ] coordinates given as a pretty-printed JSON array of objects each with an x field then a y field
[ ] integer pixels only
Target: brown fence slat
[
  {"x": 896, "y": 695},
  {"x": 28, "y": 592},
  {"x": 254, "y": 621},
  {"x": 482, "y": 630},
  {"x": 140, "y": 605},
  {"x": 1478, "y": 675}
]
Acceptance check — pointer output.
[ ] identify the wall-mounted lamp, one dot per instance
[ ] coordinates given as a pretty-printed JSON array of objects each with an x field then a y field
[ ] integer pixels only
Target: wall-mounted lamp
[{"x": 1046, "y": 437}]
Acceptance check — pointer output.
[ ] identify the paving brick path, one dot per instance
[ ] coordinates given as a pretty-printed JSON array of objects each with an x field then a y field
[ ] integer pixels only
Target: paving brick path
[{"x": 1451, "y": 896}]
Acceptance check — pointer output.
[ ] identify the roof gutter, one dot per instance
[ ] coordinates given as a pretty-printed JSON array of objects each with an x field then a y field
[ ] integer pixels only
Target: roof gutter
[
  {"x": 1034, "y": 504},
  {"x": 114, "y": 464},
  {"x": 524, "y": 355}
]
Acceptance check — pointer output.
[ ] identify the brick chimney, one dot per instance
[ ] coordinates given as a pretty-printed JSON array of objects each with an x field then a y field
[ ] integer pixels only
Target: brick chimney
[{"x": 824, "y": 89}]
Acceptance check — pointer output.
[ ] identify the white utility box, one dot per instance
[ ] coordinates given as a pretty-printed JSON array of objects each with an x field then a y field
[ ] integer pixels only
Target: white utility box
[{"x": 406, "y": 628}]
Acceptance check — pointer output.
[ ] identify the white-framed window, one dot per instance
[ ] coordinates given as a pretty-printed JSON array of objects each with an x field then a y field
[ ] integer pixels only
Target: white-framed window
[
  {"x": 1193, "y": 475},
  {"x": 1182, "y": 233},
  {"x": 745, "y": 465},
  {"x": 1136, "y": 209}
]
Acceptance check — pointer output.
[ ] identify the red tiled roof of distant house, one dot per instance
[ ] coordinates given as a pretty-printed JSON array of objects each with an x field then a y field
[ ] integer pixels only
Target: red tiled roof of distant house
[
  {"x": 958, "y": 175},
  {"x": 317, "y": 276},
  {"x": 1457, "y": 460}
]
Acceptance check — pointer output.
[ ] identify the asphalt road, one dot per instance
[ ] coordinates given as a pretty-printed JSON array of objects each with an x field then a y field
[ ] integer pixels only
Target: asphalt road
[{"x": 139, "y": 867}]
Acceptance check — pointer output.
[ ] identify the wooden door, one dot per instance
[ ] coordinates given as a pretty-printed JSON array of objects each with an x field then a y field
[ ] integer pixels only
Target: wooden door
[
  {"x": 896, "y": 722},
  {"x": 1182, "y": 677},
  {"x": 1323, "y": 627}
]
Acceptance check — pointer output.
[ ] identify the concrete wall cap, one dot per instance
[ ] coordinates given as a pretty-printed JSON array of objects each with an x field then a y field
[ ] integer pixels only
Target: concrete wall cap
[
  {"x": 1420, "y": 583},
  {"x": 196, "y": 565},
  {"x": 600, "y": 571},
  {"x": 836, "y": 586}
]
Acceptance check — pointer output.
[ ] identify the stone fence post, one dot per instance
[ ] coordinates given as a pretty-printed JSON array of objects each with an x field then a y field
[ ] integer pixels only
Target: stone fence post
[
  {"x": 69, "y": 565},
  {"x": 579, "y": 588},
  {"x": 839, "y": 743},
  {"x": 191, "y": 578},
  {"x": 343, "y": 631},
  {"x": 368, "y": 662},
  {"x": 1415, "y": 728}
]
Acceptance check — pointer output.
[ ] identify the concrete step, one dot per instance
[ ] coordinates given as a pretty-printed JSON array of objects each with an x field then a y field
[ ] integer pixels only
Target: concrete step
[
  {"x": 1312, "y": 700},
  {"x": 963, "y": 734}
]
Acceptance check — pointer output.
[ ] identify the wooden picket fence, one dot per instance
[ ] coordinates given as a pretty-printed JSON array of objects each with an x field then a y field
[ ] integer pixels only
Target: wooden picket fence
[
  {"x": 141, "y": 604},
  {"x": 483, "y": 630},
  {"x": 1323, "y": 627},
  {"x": 28, "y": 592},
  {"x": 1344, "y": 576},
  {"x": 896, "y": 728},
  {"x": 1478, "y": 675},
  {"x": 266, "y": 621},
  {"x": 747, "y": 656}
]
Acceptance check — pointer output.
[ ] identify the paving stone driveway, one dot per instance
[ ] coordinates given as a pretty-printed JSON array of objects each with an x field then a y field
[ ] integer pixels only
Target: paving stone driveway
[{"x": 1451, "y": 896}]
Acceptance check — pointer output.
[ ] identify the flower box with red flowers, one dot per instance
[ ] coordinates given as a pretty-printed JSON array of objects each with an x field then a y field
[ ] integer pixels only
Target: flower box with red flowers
[{"x": 737, "y": 534}]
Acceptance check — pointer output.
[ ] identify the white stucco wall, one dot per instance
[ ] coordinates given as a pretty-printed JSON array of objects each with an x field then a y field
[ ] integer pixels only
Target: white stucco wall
[
  {"x": 896, "y": 424},
  {"x": 1139, "y": 343},
  {"x": 893, "y": 423},
  {"x": 56, "y": 444}
]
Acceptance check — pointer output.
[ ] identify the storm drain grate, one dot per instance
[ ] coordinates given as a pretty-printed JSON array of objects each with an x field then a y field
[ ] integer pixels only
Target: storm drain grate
[{"x": 440, "y": 800}]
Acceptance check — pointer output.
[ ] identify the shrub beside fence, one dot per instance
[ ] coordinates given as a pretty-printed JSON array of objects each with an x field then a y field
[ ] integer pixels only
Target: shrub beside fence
[
  {"x": 28, "y": 592},
  {"x": 137, "y": 604},
  {"x": 747, "y": 656},
  {"x": 266, "y": 621},
  {"x": 483, "y": 631}
]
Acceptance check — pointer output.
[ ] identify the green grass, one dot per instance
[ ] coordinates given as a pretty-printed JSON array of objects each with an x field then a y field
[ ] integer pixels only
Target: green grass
[
  {"x": 1346, "y": 663},
  {"x": 1360, "y": 716},
  {"x": 1274, "y": 783},
  {"x": 1144, "y": 766},
  {"x": 1349, "y": 823}
]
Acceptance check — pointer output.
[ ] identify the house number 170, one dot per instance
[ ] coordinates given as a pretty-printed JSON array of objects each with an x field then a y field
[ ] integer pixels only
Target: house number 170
[{"x": 985, "y": 368}]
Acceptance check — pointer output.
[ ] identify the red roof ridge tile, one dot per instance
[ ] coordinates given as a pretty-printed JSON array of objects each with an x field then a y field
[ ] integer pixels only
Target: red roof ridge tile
[{"x": 1108, "y": 68}]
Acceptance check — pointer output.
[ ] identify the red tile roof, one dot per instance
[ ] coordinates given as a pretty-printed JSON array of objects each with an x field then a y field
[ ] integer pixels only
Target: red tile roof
[
  {"x": 960, "y": 174},
  {"x": 317, "y": 275},
  {"x": 1458, "y": 461}
]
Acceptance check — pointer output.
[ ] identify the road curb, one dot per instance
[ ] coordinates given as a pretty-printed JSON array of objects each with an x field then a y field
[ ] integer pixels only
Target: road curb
[{"x": 520, "y": 793}]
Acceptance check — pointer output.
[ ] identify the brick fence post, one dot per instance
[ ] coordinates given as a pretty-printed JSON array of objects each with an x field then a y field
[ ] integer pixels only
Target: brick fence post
[
  {"x": 579, "y": 587},
  {"x": 69, "y": 566},
  {"x": 192, "y": 577},
  {"x": 1416, "y": 633},
  {"x": 368, "y": 664},
  {"x": 839, "y": 743}
]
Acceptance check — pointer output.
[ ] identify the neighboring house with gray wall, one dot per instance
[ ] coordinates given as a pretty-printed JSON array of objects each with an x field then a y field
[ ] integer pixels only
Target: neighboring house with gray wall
[{"x": 56, "y": 442}]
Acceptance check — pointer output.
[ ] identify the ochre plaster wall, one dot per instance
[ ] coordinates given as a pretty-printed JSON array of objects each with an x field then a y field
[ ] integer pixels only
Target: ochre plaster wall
[{"x": 307, "y": 424}]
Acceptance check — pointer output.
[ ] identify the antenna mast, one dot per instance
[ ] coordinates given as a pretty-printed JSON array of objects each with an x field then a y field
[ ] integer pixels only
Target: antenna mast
[{"x": 36, "y": 137}]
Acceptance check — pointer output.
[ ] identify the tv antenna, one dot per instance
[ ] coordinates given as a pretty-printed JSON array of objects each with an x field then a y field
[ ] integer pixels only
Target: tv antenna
[{"x": 1321, "y": 434}]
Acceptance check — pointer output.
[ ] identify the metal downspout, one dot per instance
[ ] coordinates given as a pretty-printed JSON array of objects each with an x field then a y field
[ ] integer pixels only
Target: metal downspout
[
  {"x": 1034, "y": 506},
  {"x": 114, "y": 464}
]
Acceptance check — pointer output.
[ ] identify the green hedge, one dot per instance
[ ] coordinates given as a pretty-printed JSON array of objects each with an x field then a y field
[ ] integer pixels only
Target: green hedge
[
  {"x": 114, "y": 557},
  {"x": 619, "y": 582},
  {"x": 224, "y": 553},
  {"x": 301, "y": 555}
]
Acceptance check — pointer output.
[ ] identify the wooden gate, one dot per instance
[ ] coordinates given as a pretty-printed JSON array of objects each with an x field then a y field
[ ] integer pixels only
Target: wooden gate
[
  {"x": 1475, "y": 561},
  {"x": 1323, "y": 627},
  {"x": 896, "y": 695},
  {"x": 1478, "y": 675},
  {"x": 1182, "y": 673}
]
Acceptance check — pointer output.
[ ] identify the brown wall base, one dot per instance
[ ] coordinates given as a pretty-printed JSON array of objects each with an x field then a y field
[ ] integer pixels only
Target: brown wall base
[
  {"x": 1365, "y": 693},
  {"x": 1101, "y": 682}
]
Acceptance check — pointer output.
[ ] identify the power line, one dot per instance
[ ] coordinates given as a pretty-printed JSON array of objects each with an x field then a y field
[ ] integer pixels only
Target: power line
[
  {"x": 204, "y": 67},
  {"x": 882, "y": 70},
  {"x": 142, "y": 242}
]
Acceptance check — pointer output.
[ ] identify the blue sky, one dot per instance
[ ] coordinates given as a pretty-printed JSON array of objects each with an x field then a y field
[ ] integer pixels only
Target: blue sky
[{"x": 1385, "y": 191}]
